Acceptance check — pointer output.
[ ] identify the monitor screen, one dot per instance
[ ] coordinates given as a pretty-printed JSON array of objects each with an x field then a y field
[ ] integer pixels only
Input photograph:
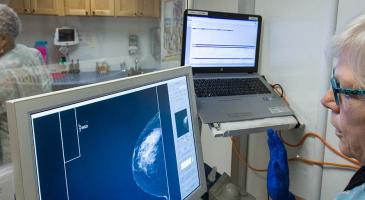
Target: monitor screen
[
  {"x": 66, "y": 35},
  {"x": 135, "y": 143},
  {"x": 220, "y": 41}
]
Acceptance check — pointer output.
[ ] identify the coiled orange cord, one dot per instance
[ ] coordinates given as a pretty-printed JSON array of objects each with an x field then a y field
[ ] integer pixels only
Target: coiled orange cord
[
  {"x": 301, "y": 142},
  {"x": 355, "y": 167},
  {"x": 243, "y": 160}
]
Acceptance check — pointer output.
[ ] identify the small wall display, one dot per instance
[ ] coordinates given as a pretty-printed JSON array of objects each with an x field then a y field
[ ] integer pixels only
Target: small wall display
[{"x": 66, "y": 36}]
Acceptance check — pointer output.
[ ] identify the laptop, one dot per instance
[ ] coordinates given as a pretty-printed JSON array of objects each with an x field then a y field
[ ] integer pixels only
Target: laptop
[{"x": 223, "y": 51}]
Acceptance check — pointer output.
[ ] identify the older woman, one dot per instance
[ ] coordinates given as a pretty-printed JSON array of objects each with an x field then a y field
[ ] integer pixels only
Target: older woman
[
  {"x": 346, "y": 100},
  {"x": 22, "y": 72}
]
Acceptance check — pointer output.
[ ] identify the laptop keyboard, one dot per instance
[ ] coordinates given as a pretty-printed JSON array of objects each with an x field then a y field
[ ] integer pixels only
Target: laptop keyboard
[{"x": 229, "y": 87}]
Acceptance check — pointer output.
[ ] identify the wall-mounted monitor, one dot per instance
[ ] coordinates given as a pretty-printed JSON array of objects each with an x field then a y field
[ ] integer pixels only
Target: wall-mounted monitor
[
  {"x": 132, "y": 138},
  {"x": 66, "y": 36}
]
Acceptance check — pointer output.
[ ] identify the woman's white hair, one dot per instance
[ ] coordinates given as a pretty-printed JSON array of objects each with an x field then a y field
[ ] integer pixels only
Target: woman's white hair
[
  {"x": 351, "y": 45},
  {"x": 9, "y": 21}
]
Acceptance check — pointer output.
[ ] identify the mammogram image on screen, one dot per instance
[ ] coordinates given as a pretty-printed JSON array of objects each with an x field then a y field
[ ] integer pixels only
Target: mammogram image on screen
[
  {"x": 182, "y": 122},
  {"x": 148, "y": 164},
  {"x": 116, "y": 148}
]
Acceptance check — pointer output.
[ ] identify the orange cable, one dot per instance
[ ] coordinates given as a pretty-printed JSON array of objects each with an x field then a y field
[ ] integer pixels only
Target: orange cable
[
  {"x": 315, "y": 162},
  {"x": 307, "y": 161},
  {"x": 323, "y": 142},
  {"x": 242, "y": 160}
]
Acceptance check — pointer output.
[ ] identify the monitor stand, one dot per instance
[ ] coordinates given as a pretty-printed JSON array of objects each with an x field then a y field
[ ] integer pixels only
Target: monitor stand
[
  {"x": 224, "y": 189},
  {"x": 239, "y": 173},
  {"x": 242, "y": 129}
]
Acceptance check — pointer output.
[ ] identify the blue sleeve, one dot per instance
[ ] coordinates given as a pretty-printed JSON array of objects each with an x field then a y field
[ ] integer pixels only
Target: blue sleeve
[{"x": 278, "y": 170}]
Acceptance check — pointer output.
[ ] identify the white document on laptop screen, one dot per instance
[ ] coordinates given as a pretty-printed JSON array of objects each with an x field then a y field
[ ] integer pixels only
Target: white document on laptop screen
[{"x": 213, "y": 42}]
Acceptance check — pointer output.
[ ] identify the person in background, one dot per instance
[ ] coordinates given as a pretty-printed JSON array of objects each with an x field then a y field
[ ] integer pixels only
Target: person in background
[
  {"x": 22, "y": 72},
  {"x": 346, "y": 100}
]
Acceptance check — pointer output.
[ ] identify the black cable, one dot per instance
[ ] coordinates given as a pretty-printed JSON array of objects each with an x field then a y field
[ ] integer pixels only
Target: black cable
[
  {"x": 298, "y": 122},
  {"x": 274, "y": 86},
  {"x": 281, "y": 92}
]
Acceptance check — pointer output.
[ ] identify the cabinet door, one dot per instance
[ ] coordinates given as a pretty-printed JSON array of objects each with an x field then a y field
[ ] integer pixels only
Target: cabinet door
[
  {"x": 47, "y": 7},
  {"x": 126, "y": 7},
  {"x": 102, "y": 7},
  {"x": 20, "y": 6},
  {"x": 149, "y": 8},
  {"x": 77, "y": 7}
]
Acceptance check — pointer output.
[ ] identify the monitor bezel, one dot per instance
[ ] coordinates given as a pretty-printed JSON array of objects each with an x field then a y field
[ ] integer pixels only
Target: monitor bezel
[
  {"x": 21, "y": 137},
  {"x": 222, "y": 15}
]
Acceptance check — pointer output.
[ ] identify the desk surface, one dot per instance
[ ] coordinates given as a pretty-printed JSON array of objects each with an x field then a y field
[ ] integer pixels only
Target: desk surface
[{"x": 83, "y": 78}]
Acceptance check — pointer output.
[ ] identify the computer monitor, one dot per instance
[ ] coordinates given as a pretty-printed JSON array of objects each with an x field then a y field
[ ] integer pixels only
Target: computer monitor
[
  {"x": 212, "y": 40},
  {"x": 132, "y": 138}
]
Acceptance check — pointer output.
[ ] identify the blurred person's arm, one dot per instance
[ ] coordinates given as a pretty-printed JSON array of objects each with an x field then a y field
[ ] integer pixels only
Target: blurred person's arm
[
  {"x": 8, "y": 89},
  {"x": 31, "y": 74},
  {"x": 23, "y": 74}
]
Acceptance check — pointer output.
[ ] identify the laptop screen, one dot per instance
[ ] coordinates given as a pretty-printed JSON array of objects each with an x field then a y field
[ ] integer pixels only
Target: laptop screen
[{"x": 216, "y": 40}]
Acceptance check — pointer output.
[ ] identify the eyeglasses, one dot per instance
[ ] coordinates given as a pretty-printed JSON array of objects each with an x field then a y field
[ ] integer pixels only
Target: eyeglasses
[{"x": 337, "y": 90}]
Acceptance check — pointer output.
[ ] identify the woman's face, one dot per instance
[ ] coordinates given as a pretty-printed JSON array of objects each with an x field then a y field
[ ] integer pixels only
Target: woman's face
[{"x": 349, "y": 116}]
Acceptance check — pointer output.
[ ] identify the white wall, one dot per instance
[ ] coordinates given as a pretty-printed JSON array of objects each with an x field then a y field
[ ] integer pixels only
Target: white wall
[
  {"x": 295, "y": 34},
  {"x": 216, "y": 5},
  {"x": 334, "y": 180},
  {"x": 241, "y": 6},
  {"x": 246, "y": 6},
  {"x": 216, "y": 151},
  {"x": 102, "y": 37}
]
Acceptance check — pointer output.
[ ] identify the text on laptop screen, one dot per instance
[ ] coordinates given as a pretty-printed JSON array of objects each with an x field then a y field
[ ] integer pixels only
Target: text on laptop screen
[{"x": 213, "y": 42}]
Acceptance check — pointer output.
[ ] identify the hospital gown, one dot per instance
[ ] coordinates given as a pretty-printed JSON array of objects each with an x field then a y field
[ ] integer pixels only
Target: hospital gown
[
  {"x": 22, "y": 73},
  {"x": 355, "y": 188},
  {"x": 356, "y": 193}
]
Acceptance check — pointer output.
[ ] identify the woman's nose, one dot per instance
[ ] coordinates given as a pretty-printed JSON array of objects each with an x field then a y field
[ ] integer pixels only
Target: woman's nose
[{"x": 329, "y": 102}]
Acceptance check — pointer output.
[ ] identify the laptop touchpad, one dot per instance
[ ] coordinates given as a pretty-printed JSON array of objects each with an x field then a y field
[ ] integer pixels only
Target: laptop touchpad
[{"x": 227, "y": 109}]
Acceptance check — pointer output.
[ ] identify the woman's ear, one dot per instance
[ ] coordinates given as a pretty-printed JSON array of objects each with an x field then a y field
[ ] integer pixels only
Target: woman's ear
[
  {"x": 2, "y": 45},
  {"x": 6, "y": 44},
  {"x": 3, "y": 41}
]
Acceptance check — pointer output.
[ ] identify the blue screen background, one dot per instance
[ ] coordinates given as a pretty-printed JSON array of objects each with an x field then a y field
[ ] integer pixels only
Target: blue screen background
[{"x": 103, "y": 168}]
